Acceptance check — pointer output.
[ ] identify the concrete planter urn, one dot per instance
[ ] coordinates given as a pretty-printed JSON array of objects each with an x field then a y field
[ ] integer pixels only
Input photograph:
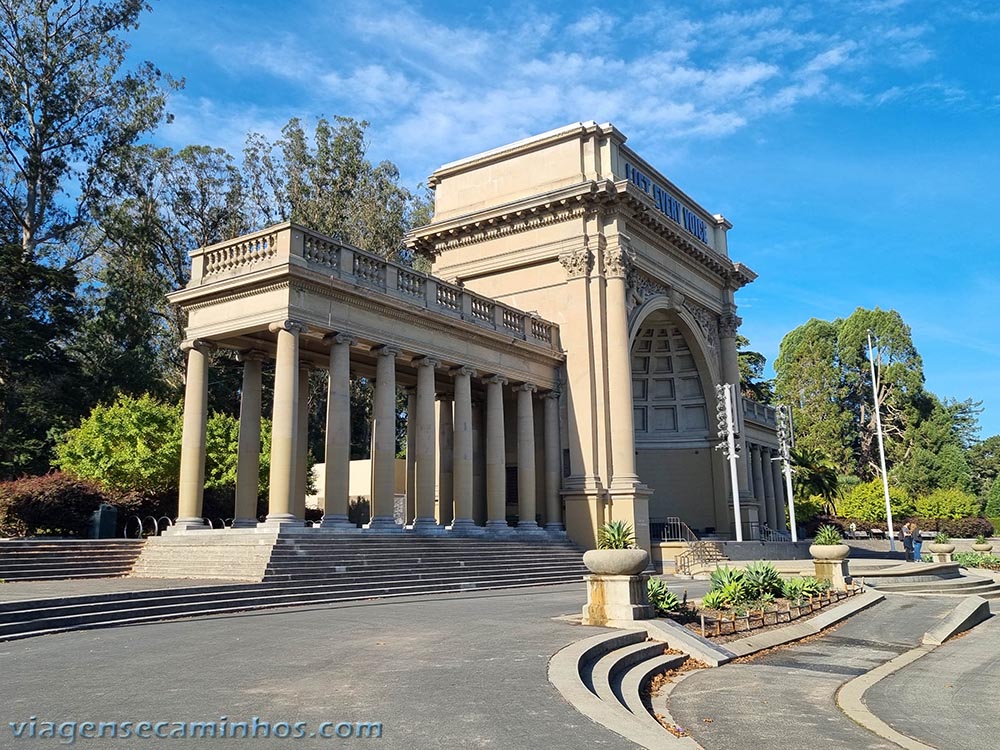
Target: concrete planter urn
[
  {"x": 984, "y": 548},
  {"x": 941, "y": 549},
  {"x": 616, "y": 562},
  {"x": 834, "y": 552}
]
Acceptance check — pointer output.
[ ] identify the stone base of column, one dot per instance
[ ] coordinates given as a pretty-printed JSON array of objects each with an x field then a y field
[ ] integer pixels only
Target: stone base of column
[
  {"x": 428, "y": 526},
  {"x": 632, "y": 506},
  {"x": 281, "y": 521},
  {"x": 615, "y": 599},
  {"x": 529, "y": 528},
  {"x": 383, "y": 524},
  {"x": 185, "y": 525},
  {"x": 337, "y": 523},
  {"x": 244, "y": 523},
  {"x": 556, "y": 531},
  {"x": 498, "y": 528},
  {"x": 465, "y": 527}
]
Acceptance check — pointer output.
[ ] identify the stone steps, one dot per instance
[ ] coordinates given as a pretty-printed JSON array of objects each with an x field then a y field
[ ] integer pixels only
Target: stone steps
[
  {"x": 606, "y": 676},
  {"x": 41, "y": 560},
  {"x": 944, "y": 580},
  {"x": 292, "y": 572}
]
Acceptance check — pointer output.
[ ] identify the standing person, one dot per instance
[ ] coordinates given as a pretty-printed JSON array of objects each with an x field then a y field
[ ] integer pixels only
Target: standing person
[
  {"x": 906, "y": 534},
  {"x": 917, "y": 540}
]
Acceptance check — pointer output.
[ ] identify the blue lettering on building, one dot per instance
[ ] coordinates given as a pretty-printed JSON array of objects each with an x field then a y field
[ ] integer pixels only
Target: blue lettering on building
[{"x": 667, "y": 204}]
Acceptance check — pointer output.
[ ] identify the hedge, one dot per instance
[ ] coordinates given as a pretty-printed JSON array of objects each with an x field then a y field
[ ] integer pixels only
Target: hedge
[{"x": 55, "y": 504}]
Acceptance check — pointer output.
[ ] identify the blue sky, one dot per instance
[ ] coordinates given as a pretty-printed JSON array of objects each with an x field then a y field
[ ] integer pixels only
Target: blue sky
[{"x": 853, "y": 144}]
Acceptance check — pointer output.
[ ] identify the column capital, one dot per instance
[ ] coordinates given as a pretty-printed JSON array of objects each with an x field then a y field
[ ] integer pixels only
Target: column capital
[
  {"x": 551, "y": 394},
  {"x": 578, "y": 263},
  {"x": 729, "y": 324},
  {"x": 618, "y": 261},
  {"x": 385, "y": 350},
  {"x": 251, "y": 355},
  {"x": 469, "y": 372},
  {"x": 293, "y": 326},
  {"x": 202, "y": 345},
  {"x": 496, "y": 380},
  {"x": 340, "y": 338},
  {"x": 529, "y": 387},
  {"x": 426, "y": 362}
]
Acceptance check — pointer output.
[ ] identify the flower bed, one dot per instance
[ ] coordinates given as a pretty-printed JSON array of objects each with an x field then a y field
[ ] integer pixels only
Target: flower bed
[{"x": 715, "y": 623}]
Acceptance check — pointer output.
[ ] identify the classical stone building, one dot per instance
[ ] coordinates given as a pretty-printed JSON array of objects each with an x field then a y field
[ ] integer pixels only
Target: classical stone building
[{"x": 563, "y": 354}]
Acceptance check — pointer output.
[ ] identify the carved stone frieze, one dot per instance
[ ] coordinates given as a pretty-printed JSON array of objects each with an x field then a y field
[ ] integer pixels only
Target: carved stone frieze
[{"x": 707, "y": 321}]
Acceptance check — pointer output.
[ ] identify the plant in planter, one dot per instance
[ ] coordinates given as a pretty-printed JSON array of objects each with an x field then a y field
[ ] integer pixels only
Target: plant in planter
[
  {"x": 982, "y": 544},
  {"x": 941, "y": 544},
  {"x": 828, "y": 544},
  {"x": 616, "y": 554}
]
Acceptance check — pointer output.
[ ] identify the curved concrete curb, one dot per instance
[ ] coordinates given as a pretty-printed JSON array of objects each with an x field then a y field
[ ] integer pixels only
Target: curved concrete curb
[
  {"x": 799, "y": 630},
  {"x": 850, "y": 696}
]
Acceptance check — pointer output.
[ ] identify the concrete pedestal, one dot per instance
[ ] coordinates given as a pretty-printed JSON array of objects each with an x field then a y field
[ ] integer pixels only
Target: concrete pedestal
[
  {"x": 615, "y": 599},
  {"x": 941, "y": 557},
  {"x": 834, "y": 571}
]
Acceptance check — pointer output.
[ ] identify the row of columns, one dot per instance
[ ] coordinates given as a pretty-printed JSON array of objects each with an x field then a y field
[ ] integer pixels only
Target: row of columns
[
  {"x": 452, "y": 487},
  {"x": 766, "y": 481}
]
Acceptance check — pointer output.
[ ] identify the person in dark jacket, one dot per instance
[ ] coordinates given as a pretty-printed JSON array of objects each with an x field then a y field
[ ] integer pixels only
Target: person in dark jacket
[{"x": 906, "y": 535}]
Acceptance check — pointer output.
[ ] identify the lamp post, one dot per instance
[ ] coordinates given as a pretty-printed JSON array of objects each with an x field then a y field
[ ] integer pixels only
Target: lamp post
[
  {"x": 725, "y": 412},
  {"x": 785, "y": 441},
  {"x": 881, "y": 446}
]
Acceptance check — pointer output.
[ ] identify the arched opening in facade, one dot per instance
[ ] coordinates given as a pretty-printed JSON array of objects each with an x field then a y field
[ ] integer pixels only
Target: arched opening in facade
[{"x": 674, "y": 419}]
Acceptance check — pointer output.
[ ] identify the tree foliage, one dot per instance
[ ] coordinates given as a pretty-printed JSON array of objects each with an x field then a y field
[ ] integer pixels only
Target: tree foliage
[
  {"x": 948, "y": 503},
  {"x": 866, "y": 502},
  {"x": 824, "y": 371}
]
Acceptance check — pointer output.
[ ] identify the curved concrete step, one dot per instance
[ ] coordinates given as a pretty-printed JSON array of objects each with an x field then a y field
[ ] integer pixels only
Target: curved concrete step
[
  {"x": 636, "y": 680},
  {"x": 583, "y": 673}
]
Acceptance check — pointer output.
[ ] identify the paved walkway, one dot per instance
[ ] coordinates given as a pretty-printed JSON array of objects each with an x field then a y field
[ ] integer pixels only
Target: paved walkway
[
  {"x": 948, "y": 698},
  {"x": 785, "y": 700},
  {"x": 453, "y": 671}
]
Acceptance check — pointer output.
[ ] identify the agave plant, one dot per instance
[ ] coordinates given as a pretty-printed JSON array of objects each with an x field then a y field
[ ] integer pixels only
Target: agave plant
[
  {"x": 722, "y": 575},
  {"x": 761, "y": 579},
  {"x": 615, "y": 535},
  {"x": 714, "y": 600},
  {"x": 735, "y": 593},
  {"x": 827, "y": 535},
  {"x": 942, "y": 538},
  {"x": 663, "y": 600}
]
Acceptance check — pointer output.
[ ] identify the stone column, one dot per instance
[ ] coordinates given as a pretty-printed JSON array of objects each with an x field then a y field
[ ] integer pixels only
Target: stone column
[
  {"x": 765, "y": 465},
  {"x": 284, "y": 425},
  {"x": 337, "y": 466},
  {"x": 411, "y": 456},
  {"x": 302, "y": 443},
  {"x": 526, "y": 480},
  {"x": 553, "y": 463},
  {"x": 191, "y": 485},
  {"x": 780, "y": 501},
  {"x": 248, "y": 456},
  {"x": 496, "y": 456},
  {"x": 446, "y": 474},
  {"x": 384, "y": 457},
  {"x": 462, "y": 452},
  {"x": 426, "y": 446},
  {"x": 758, "y": 481},
  {"x": 630, "y": 500}
]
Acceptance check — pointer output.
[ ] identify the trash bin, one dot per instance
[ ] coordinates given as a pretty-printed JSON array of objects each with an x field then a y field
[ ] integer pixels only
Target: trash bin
[{"x": 104, "y": 522}]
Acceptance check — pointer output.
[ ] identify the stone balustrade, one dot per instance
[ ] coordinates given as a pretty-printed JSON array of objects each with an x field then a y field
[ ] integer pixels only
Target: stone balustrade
[
  {"x": 291, "y": 245},
  {"x": 760, "y": 413}
]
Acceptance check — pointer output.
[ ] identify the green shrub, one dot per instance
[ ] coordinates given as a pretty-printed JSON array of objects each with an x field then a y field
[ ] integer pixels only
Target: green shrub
[
  {"x": 807, "y": 509},
  {"x": 981, "y": 539},
  {"x": 134, "y": 446},
  {"x": 761, "y": 579},
  {"x": 828, "y": 535},
  {"x": 976, "y": 560},
  {"x": 662, "y": 599},
  {"x": 615, "y": 535},
  {"x": 866, "y": 502},
  {"x": 953, "y": 503},
  {"x": 964, "y": 528},
  {"x": 941, "y": 538},
  {"x": 735, "y": 593},
  {"x": 995, "y": 521},
  {"x": 794, "y": 589},
  {"x": 54, "y": 504},
  {"x": 714, "y": 600}
]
